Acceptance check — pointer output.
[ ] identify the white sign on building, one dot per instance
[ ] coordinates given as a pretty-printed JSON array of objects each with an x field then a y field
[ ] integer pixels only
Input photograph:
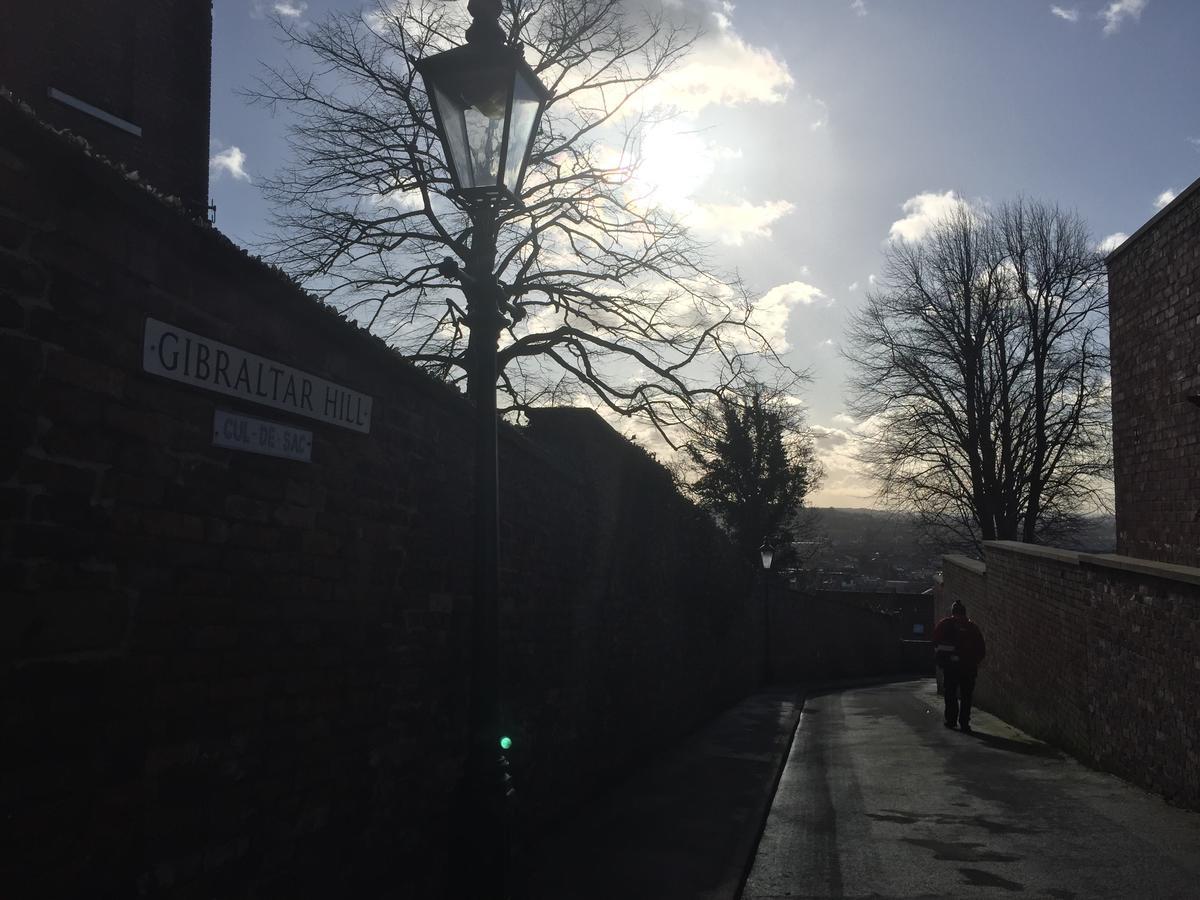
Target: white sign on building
[
  {"x": 204, "y": 363},
  {"x": 238, "y": 432}
]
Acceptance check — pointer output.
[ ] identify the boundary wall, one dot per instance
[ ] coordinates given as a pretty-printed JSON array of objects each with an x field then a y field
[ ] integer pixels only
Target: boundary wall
[
  {"x": 1096, "y": 653},
  {"x": 231, "y": 675},
  {"x": 823, "y": 635}
]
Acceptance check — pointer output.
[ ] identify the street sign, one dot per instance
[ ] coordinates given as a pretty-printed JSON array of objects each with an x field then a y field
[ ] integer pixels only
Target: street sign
[{"x": 238, "y": 432}]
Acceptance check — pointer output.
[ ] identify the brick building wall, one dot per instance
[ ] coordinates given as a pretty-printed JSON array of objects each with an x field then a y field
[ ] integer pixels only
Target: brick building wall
[
  {"x": 146, "y": 62},
  {"x": 1154, "y": 300},
  {"x": 1095, "y": 653},
  {"x": 224, "y": 674}
]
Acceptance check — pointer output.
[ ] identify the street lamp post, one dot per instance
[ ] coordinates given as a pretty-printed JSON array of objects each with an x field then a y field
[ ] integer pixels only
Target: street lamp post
[
  {"x": 767, "y": 552},
  {"x": 487, "y": 103}
]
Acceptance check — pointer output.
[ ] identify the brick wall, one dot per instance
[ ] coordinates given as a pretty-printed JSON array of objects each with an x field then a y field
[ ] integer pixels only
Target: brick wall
[
  {"x": 910, "y": 610},
  {"x": 145, "y": 61},
  {"x": 1095, "y": 653},
  {"x": 822, "y": 635},
  {"x": 231, "y": 675},
  {"x": 1154, "y": 299}
]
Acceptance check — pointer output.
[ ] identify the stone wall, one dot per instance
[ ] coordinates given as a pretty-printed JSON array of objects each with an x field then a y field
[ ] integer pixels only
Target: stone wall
[
  {"x": 820, "y": 635},
  {"x": 1154, "y": 300},
  {"x": 1095, "y": 653},
  {"x": 228, "y": 674}
]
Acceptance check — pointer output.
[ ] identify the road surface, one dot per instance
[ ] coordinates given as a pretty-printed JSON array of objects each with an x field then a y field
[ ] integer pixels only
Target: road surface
[{"x": 879, "y": 799}]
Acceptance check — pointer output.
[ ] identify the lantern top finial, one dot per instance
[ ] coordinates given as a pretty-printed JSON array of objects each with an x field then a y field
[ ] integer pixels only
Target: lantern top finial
[{"x": 485, "y": 29}]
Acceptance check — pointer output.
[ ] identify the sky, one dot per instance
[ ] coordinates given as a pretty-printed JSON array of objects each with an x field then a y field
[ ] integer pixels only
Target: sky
[{"x": 812, "y": 132}]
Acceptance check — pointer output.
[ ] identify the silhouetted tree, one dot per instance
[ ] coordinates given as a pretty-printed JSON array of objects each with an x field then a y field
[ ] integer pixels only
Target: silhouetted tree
[
  {"x": 756, "y": 464},
  {"x": 611, "y": 301},
  {"x": 980, "y": 369}
]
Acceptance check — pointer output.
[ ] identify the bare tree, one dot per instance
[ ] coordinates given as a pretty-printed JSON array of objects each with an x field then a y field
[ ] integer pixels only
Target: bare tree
[
  {"x": 610, "y": 300},
  {"x": 980, "y": 369}
]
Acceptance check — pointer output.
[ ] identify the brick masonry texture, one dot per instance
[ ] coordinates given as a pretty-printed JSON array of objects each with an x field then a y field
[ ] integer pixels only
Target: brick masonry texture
[
  {"x": 1154, "y": 299},
  {"x": 830, "y": 634},
  {"x": 228, "y": 675},
  {"x": 1094, "y": 653},
  {"x": 145, "y": 61}
]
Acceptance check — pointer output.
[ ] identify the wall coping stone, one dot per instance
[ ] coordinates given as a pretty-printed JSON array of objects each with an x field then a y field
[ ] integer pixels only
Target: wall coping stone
[
  {"x": 1067, "y": 557},
  {"x": 1138, "y": 566},
  {"x": 965, "y": 562}
]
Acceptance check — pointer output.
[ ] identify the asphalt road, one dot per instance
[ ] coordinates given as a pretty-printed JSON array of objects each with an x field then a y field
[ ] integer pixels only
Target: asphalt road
[{"x": 879, "y": 800}]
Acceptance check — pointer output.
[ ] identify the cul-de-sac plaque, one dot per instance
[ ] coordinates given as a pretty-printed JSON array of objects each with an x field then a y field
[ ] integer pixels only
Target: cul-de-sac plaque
[
  {"x": 190, "y": 358},
  {"x": 255, "y": 435}
]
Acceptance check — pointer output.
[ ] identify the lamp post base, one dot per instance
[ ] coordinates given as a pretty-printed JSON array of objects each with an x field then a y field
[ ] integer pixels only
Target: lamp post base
[{"x": 481, "y": 830}]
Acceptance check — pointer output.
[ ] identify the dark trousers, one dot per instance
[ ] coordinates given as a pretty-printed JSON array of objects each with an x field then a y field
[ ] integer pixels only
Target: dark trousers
[{"x": 958, "y": 685}]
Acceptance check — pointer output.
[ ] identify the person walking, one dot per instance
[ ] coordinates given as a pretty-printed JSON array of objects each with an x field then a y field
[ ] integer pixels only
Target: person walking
[{"x": 960, "y": 648}]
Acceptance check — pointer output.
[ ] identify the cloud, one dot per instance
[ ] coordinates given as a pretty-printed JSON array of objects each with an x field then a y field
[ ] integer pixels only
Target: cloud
[
  {"x": 1195, "y": 142},
  {"x": 1115, "y": 14},
  {"x": 734, "y": 223},
  {"x": 285, "y": 9},
  {"x": 837, "y": 447},
  {"x": 827, "y": 438},
  {"x": 859, "y": 7},
  {"x": 822, "y": 114},
  {"x": 231, "y": 160},
  {"x": 1068, "y": 15},
  {"x": 872, "y": 280},
  {"x": 1112, "y": 242},
  {"x": 724, "y": 70},
  {"x": 853, "y": 287},
  {"x": 922, "y": 212},
  {"x": 771, "y": 312},
  {"x": 1164, "y": 198}
]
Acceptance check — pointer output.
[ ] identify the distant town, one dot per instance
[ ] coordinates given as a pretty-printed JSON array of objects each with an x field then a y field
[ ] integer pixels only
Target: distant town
[{"x": 882, "y": 551}]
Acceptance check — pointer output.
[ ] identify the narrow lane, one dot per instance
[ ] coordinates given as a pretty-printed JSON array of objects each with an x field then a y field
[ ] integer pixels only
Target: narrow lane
[{"x": 878, "y": 799}]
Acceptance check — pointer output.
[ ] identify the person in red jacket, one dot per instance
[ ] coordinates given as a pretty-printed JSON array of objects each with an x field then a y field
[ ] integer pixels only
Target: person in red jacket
[{"x": 960, "y": 648}]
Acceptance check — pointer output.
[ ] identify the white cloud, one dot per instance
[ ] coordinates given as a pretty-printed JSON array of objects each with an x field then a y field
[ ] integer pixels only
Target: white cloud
[
  {"x": 922, "y": 212},
  {"x": 828, "y": 342},
  {"x": 859, "y": 7},
  {"x": 401, "y": 201},
  {"x": 289, "y": 9},
  {"x": 771, "y": 312},
  {"x": 1115, "y": 14},
  {"x": 837, "y": 449},
  {"x": 231, "y": 160},
  {"x": 1112, "y": 242},
  {"x": 1164, "y": 198},
  {"x": 853, "y": 287},
  {"x": 1069, "y": 15},
  {"x": 822, "y": 114},
  {"x": 724, "y": 70},
  {"x": 733, "y": 223}
]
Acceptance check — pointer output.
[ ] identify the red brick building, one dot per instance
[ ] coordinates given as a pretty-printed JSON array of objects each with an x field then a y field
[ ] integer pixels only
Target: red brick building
[
  {"x": 131, "y": 76},
  {"x": 1154, "y": 296}
]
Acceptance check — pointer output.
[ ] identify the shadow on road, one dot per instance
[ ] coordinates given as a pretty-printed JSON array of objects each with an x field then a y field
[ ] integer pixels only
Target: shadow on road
[{"x": 1025, "y": 748}]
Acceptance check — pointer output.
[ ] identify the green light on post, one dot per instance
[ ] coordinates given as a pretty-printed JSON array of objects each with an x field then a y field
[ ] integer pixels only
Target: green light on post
[{"x": 505, "y": 743}]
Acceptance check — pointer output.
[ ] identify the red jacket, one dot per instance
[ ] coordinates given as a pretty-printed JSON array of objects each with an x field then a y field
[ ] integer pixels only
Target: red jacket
[{"x": 959, "y": 640}]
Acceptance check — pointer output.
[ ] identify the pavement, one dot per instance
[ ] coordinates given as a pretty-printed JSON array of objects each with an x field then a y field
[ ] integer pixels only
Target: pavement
[
  {"x": 685, "y": 826},
  {"x": 879, "y": 799}
]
